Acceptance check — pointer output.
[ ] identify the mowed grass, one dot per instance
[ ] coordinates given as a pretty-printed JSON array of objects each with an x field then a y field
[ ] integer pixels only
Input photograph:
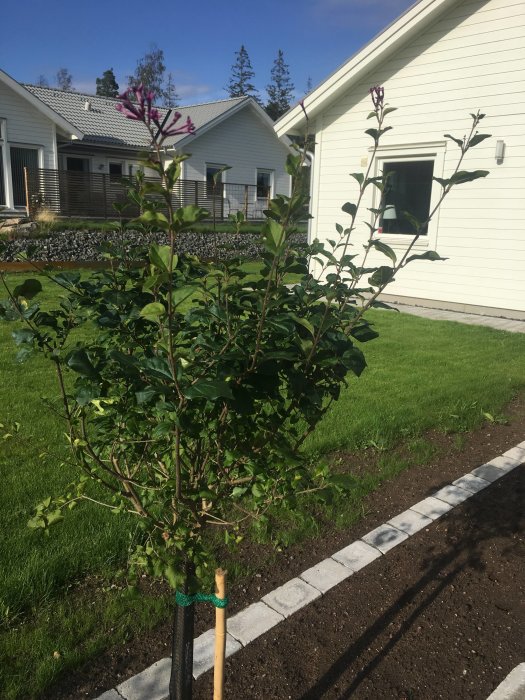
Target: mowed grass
[{"x": 422, "y": 374}]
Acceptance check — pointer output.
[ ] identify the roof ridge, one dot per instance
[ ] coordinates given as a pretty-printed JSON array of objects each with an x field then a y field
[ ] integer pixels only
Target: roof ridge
[
  {"x": 58, "y": 91},
  {"x": 212, "y": 102}
]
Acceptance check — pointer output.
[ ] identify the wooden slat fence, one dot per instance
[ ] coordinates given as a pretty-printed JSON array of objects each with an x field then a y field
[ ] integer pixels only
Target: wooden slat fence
[{"x": 92, "y": 195}]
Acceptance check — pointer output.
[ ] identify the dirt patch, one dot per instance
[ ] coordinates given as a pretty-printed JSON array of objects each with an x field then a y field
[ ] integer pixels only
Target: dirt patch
[{"x": 439, "y": 617}]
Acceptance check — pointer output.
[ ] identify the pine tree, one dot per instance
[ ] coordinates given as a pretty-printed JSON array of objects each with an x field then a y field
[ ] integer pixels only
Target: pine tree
[
  {"x": 280, "y": 90},
  {"x": 242, "y": 73},
  {"x": 107, "y": 86},
  {"x": 309, "y": 85},
  {"x": 150, "y": 72},
  {"x": 171, "y": 99},
  {"x": 42, "y": 81},
  {"x": 65, "y": 80}
]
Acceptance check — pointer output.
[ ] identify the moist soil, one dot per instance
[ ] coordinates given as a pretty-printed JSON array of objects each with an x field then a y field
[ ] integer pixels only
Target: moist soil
[{"x": 442, "y": 616}]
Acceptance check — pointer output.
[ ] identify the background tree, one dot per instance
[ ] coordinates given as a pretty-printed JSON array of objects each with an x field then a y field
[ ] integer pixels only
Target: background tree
[
  {"x": 42, "y": 81},
  {"x": 64, "y": 80},
  {"x": 241, "y": 77},
  {"x": 150, "y": 72},
  {"x": 280, "y": 90},
  {"x": 309, "y": 85},
  {"x": 107, "y": 86},
  {"x": 171, "y": 99}
]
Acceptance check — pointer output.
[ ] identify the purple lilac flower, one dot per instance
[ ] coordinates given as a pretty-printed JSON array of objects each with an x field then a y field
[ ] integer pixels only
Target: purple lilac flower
[
  {"x": 141, "y": 109},
  {"x": 301, "y": 105},
  {"x": 377, "y": 93}
]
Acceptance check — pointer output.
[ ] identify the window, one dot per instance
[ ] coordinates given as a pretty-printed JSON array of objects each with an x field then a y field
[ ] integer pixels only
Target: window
[
  {"x": 408, "y": 170},
  {"x": 115, "y": 172},
  {"x": 264, "y": 184},
  {"x": 77, "y": 165},
  {"x": 408, "y": 189},
  {"x": 214, "y": 180}
]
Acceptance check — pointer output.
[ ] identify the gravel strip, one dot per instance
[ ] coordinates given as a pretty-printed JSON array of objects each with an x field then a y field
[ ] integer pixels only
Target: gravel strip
[{"x": 84, "y": 246}]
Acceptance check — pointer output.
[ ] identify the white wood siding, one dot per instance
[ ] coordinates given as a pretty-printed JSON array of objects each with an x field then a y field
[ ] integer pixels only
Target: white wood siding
[
  {"x": 23, "y": 126},
  {"x": 472, "y": 58},
  {"x": 26, "y": 125},
  {"x": 243, "y": 142}
]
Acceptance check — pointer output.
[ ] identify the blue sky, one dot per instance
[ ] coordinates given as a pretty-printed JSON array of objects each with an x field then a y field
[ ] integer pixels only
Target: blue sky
[{"x": 199, "y": 39}]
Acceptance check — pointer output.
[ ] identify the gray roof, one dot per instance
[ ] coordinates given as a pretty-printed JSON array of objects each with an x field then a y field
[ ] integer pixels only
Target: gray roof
[{"x": 102, "y": 124}]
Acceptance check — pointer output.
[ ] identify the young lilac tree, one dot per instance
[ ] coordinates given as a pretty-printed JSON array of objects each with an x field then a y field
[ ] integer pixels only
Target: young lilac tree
[{"x": 192, "y": 392}]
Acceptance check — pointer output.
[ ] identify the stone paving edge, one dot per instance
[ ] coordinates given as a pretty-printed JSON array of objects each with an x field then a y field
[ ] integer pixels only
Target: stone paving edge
[{"x": 259, "y": 617}]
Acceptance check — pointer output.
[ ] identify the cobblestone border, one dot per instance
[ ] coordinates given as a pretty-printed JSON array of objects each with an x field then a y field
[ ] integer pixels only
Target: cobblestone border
[{"x": 250, "y": 623}]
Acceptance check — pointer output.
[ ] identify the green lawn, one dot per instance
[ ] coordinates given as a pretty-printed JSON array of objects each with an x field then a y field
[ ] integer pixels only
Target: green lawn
[{"x": 422, "y": 374}]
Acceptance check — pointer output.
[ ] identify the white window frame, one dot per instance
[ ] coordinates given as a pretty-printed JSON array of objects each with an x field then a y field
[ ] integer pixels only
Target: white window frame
[{"x": 412, "y": 152}]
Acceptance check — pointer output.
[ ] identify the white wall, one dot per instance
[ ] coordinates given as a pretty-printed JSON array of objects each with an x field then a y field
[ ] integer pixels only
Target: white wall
[
  {"x": 243, "y": 142},
  {"x": 25, "y": 126},
  {"x": 472, "y": 58}
]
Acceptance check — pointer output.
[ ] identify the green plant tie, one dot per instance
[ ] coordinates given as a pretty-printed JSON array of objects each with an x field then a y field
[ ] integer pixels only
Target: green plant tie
[{"x": 184, "y": 600}]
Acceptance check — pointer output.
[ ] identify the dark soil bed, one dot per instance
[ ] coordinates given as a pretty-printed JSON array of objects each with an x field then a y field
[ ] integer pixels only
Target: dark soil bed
[{"x": 441, "y": 616}]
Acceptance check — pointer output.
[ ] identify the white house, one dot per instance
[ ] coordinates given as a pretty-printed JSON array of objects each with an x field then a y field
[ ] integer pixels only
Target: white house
[
  {"x": 68, "y": 131},
  {"x": 438, "y": 62}
]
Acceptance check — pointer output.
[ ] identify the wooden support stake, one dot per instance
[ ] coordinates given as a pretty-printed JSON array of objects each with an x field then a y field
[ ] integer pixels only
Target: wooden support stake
[
  {"x": 26, "y": 187},
  {"x": 220, "y": 636}
]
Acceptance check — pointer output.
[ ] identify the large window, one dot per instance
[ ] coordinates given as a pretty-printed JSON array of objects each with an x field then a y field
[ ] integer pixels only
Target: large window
[
  {"x": 408, "y": 171},
  {"x": 408, "y": 189}
]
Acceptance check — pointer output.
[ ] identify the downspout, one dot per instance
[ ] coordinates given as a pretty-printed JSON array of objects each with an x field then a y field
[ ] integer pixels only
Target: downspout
[{"x": 311, "y": 158}]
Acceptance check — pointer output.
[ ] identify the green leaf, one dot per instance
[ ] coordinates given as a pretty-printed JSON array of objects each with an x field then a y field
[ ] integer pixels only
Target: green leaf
[
  {"x": 23, "y": 336},
  {"x": 28, "y": 289},
  {"x": 158, "y": 367},
  {"x": 459, "y": 142},
  {"x": 427, "y": 255},
  {"x": 191, "y": 214},
  {"x": 146, "y": 394},
  {"x": 79, "y": 362},
  {"x": 273, "y": 234},
  {"x": 182, "y": 293},
  {"x": 153, "y": 311},
  {"x": 173, "y": 577},
  {"x": 211, "y": 389},
  {"x": 257, "y": 491},
  {"x": 478, "y": 138},
  {"x": 383, "y": 248},
  {"x": 358, "y": 176},
  {"x": 463, "y": 176},
  {"x": 304, "y": 323},
  {"x": 388, "y": 110},
  {"x": 383, "y": 275},
  {"x": 239, "y": 491},
  {"x": 364, "y": 333},
  {"x": 349, "y": 208},
  {"x": 161, "y": 255},
  {"x": 354, "y": 360}
]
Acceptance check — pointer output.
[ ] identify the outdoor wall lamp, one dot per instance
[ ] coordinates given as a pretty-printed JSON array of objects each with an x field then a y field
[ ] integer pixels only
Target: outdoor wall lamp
[{"x": 500, "y": 151}]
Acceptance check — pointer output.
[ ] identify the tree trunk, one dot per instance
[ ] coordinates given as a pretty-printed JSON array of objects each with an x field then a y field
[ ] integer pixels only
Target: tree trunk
[{"x": 181, "y": 678}]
